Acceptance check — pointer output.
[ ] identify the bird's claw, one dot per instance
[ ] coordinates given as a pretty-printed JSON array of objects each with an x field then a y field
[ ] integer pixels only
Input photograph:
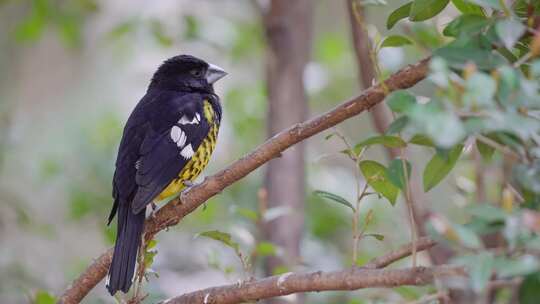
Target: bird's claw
[{"x": 153, "y": 211}]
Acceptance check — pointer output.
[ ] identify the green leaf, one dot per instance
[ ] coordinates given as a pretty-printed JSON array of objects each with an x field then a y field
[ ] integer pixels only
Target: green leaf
[
  {"x": 422, "y": 140},
  {"x": 439, "y": 166},
  {"x": 378, "y": 237},
  {"x": 481, "y": 270},
  {"x": 247, "y": 213},
  {"x": 395, "y": 41},
  {"x": 376, "y": 176},
  {"x": 529, "y": 290},
  {"x": 334, "y": 197},
  {"x": 401, "y": 13},
  {"x": 397, "y": 125},
  {"x": 487, "y": 212},
  {"x": 425, "y": 9},
  {"x": 467, "y": 237},
  {"x": 44, "y": 297},
  {"x": 466, "y": 7},
  {"x": 495, "y": 4},
  {"x": 465, "y": 25},
  {"x": 485, "y": 150},
  {"x": 519, "y": 266},
  {"x": 389, "y": 141},
  {"x": 222, "y": 237},
  {"x": 480, "y": 89},
  {"x": 458, "y": 56},
  {"x": 265, "y": 249},
  {"x": 400, "y": 101},
  {"x": 509, "y": 31},
  {"x": 396, "y": 173}
]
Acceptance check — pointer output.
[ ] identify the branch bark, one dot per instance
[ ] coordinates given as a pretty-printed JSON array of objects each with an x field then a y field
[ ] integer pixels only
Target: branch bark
[
  {"x": 175, "y": 210},
  {"x": 290, "y": 283},
  {"x": 350, "y": 279}
]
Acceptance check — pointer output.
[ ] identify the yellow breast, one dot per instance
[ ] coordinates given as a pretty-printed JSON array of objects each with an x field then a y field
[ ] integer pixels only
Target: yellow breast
[{"x": 198, "y": 161}]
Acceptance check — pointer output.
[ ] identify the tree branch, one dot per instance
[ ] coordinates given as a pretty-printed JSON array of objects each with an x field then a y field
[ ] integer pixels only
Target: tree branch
[
  {"x": 369, "y": 275},
  {"x": 289, "y": 283},
  {"x": 175, "y": 210}
]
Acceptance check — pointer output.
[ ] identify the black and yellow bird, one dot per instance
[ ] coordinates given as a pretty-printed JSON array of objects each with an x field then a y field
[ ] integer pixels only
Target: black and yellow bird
[{"x": 167, "y": 141}]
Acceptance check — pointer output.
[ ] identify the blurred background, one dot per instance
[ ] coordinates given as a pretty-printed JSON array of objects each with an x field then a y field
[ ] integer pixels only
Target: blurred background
[{"x": 71, "y": 72}]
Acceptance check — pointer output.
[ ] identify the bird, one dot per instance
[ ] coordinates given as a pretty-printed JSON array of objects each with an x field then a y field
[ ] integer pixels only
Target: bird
[{"x": 167, "y": 141}]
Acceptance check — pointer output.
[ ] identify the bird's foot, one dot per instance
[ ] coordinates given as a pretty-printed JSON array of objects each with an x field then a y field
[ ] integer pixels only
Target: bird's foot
[{"x": 153, "y": 211}]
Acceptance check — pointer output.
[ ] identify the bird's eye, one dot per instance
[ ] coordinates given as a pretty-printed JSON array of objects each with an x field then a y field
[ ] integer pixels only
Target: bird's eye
[{"x": 196, "y": 73}]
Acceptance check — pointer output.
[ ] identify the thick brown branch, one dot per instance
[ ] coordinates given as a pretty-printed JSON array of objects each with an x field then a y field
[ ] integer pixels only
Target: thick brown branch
[
  {"x": 176, "y": 210},
  {"x": 290, "y": 283},
  {"x": 337, "y": 280}
]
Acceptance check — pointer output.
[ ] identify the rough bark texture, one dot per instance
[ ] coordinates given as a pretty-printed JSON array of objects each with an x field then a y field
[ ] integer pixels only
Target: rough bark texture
[
  {"x": 287, "y": 27},
  {"x": 290, "y": 283},
  {"x": 175, "y": 210},
  {"x": 350, "y": 279}
]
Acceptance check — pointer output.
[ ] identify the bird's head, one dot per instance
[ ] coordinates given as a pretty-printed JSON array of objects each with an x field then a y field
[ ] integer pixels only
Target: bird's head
[{"x": 187, "y": 73}]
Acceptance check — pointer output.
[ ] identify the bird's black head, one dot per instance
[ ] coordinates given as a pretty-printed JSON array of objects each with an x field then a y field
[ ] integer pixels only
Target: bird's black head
[{"x": 186, "y": 73}]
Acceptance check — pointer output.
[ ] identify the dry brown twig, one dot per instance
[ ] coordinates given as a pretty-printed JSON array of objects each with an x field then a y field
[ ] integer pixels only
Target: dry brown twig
[{"x": 174, "y": 211}]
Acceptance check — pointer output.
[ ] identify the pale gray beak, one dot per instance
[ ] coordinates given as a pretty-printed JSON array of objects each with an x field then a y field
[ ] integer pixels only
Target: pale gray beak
[{"x": 214, "y": 73}]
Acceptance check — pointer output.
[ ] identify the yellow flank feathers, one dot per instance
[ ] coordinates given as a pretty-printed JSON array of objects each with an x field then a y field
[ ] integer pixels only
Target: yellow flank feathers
[{"x": 198, "y": 162}]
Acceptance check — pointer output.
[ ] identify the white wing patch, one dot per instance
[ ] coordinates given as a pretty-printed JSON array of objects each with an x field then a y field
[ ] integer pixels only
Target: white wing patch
[
  {"x": 185, "y": 121},
  {"x": 178, "y": 136},
  {"x": 176, "y": 132},
  {"x": 187, "y": 152}
]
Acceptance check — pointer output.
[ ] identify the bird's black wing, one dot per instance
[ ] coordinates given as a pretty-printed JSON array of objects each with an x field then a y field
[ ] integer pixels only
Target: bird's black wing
[{"x": 176, "y": 131}]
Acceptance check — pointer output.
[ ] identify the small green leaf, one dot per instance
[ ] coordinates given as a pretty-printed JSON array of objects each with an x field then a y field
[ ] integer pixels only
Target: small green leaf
[
  {"x": 265, "y": 249},
  {"x": 44, "y": 297},
  {"x": 247, "y": 213},
  {"x": 439, "y": 166},
  {"x": 425, "y": 9},
  {"x": 222, "y": 237},
  {"x": 422, "y": 140},
  {"x": 395, "y": 41},
  {"x": 509, "y": 31},
  {"x": 465, "y": 25},
  {"x": 458, "y": 56},
  {"x": 467, "y": 237},
  {"x": 334, "y": 197},
  {"x": 151, "y": 244},
  {"x": 480, "y": 268},
  {"x": 529, "y": 290},
  {"x": 396, "y": 173},
  {"x": 389, "y": 141},
  {"x": 466, "y": 7},
  {"x": 519, "y": 266},
  {"x": 400, "y": 101},
  {"x": 376, "y": 176},
  {"x": 487, "y": 212},
  {"x": 485, "y": 150},
  {"x": 494, "y": 4},
  {"x": 401, "y": 13},
  {"x": 397, "y": 125},
  {"x": 378, "y": 237}
]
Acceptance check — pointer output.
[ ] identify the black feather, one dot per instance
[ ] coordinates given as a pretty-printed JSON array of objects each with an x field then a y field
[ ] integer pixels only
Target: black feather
[{"x": 148, "y": 159}]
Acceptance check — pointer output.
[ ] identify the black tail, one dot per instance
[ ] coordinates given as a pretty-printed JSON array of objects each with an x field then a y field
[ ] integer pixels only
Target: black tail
[{"x": 128, "y": 240}]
